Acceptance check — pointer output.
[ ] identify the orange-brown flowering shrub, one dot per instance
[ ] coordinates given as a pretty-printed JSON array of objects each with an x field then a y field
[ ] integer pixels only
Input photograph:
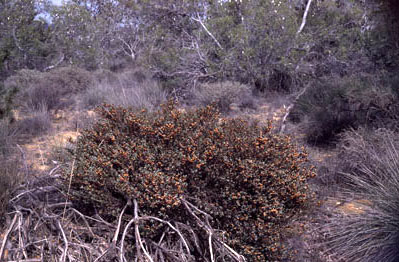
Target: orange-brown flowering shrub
[{"x": 249, "y": 180}]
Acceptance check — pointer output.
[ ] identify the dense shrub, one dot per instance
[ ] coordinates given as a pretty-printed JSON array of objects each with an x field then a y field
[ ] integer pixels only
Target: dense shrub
[
  {"x": 69, "y": 79},
  {"x": 103, "y": 75},
  {"x": 250, "y": 180},
  {"x": 6, "y": 101},
  {"x": 330, "y": 106},
  {"x": 223, "y": 94},
  {"x": 49, "y": 89},
  {"x": 54, "y": 87},
  {"x": 371, "y": 234},
  {"x": 20, "y": 81},
  {"x": 280, "y": 80}
]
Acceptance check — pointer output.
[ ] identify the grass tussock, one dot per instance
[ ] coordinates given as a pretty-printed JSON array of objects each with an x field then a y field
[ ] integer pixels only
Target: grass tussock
[
  {"x": 131, "y": 88},
  {"x": 371, "y": 234},
  {"x": 37, "y": 123}
]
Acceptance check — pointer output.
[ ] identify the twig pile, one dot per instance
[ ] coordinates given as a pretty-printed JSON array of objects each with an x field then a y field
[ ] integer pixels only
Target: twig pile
[{"x": 45, "y": 226}]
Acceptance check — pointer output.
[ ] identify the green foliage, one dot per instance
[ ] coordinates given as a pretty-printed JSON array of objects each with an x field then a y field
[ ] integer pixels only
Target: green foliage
[
  {"x": 100, "y": 34},
  {"x": 37, "y": 90},
  {"x": 75, "y": 32},
  {"x": 6, "y": 98},
  {"x": 257, "y": 36},
  {"x": 26, "y": 41},
  {"x": 252, "y": 42},
  {"x": 333, "y": 38},
  {"x": 381, "y": 38},
  {"x": 250, "y": 180},
  {"x": 12, "y": 85},
  {"x": 330, "y": 106}
]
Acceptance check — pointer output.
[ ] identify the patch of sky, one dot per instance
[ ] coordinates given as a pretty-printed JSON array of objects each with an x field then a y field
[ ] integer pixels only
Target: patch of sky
[
  {"x": 44, "y": 15},
  {"x": 57, "y": 2}
]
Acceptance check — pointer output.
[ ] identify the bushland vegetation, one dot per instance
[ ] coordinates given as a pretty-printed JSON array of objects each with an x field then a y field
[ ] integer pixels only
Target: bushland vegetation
[
  {"x": 248, "y": 180},
  {"x": 204, "y": 186},
  {"x": 10, "y": 172},
  {"x": 368, "y": 176}
]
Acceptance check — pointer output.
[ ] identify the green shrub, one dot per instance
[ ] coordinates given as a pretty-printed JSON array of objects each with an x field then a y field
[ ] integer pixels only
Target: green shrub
[
  {"x": 6, "y": 101},
  {"x": 20, "y": 81},
  {"x": 331, "y": 106},
  {"x": 249, "y": 180},
  {"x": 223, "y": 94},
  {"x": 371, "y": 162},
  {"x": 49, "y": 89},
  {"x": 69, "y": 79}
]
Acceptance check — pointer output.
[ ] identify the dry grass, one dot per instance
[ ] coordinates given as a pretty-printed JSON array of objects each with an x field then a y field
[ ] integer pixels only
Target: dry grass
[
  {"x": 371, "y": 234},
  {"x": 10, "y": 172},
  {"x": 224, "y": 95},
  {"x": 37, "y": 123},
  {"x": 128, "y": 89}
]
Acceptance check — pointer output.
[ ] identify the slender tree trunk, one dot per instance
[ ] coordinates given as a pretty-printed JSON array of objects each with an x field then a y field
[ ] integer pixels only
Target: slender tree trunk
[{"x": 305, "y": 15}]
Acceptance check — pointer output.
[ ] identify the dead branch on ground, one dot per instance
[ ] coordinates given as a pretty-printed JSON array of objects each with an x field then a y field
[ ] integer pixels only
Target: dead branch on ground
[{"x": 46, "y": 226}]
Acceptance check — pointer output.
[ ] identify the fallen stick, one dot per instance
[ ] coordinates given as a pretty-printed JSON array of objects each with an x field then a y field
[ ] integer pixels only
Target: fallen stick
[{"x": 5, "y": 239}]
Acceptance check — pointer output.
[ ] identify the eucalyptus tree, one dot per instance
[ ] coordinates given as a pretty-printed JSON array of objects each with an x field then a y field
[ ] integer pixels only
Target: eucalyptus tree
[
  {"x": 267, "y": 43},
  {"x": 257, "y": 37},
  {"x": 94, "y": 33},
  {"x": 25, "y": 39}
]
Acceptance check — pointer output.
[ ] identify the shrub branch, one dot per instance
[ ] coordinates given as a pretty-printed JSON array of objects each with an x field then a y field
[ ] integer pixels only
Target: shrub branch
[{"x": 45, "y": 215}]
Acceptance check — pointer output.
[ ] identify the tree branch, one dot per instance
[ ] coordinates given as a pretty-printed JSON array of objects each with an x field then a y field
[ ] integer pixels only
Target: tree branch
[
  {"x": 65, "y": 251},
  {"x": 131, "y": 48},
  {"x": 304, "y": 17},
  {"x": 16, "y": 40},
  {"x": 289, "y": 108},
  {"x": 198, "y": 19},
  {"x": 5, "y": 239},
  {"x": 56, "y": 64}
]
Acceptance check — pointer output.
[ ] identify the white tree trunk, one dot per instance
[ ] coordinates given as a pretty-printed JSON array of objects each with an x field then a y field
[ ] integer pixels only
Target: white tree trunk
[
  {"x": 207, "y": 31},
  {"x": 305, "y": 15}
]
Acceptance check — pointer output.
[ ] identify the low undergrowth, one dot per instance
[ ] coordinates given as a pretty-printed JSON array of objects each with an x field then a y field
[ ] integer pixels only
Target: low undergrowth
[
  {"x": 10, "y": 171},
  {"x": 370, "y": 180},
  {"x": 331, "y": 106},
  {"x": 247, "y": 180},
  {"x": 131, "y": 88}
]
